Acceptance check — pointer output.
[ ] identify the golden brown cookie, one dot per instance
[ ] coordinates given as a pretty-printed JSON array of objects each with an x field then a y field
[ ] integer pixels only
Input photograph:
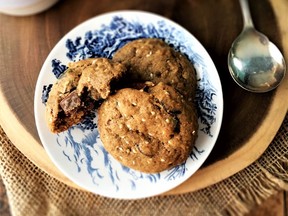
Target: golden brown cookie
[
  {"x": 99, "y": 77},
  {"x": 154, "y": 60},
  {"x": 150, "y": 130},
  {"x": 74, "y": 94}
]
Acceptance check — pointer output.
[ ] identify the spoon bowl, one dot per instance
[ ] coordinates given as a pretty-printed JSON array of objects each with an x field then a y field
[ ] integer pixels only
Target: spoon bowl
[{"x": 254, "y": 62}]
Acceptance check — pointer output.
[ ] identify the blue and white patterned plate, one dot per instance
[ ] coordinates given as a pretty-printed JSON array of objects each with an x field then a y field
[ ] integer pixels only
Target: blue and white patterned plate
[{"x": 79, "y": 152}]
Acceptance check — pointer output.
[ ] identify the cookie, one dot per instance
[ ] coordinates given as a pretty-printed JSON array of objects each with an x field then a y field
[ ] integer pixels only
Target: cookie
[
  {"x": 99, "y": 78},
  {"x": 73, "y": 95},
  {"x": 154, "y": 60},
  {"x": 149, "y": 130}
]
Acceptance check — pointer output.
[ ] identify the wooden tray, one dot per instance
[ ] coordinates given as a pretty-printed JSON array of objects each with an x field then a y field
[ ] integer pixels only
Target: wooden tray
[{"x": 250, "y": 120}]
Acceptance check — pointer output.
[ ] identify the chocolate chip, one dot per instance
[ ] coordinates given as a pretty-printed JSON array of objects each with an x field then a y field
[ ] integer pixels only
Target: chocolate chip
[{"x": 71, "y": 102}]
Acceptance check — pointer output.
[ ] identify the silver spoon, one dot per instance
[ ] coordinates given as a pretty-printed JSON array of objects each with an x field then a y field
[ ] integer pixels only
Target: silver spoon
[{"x": 254, "y": 62}]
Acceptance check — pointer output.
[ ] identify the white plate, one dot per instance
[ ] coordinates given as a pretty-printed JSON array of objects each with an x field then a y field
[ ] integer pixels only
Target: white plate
[
  {"x": 25, "y": 7},
  {"x": 79, "y": 152}
]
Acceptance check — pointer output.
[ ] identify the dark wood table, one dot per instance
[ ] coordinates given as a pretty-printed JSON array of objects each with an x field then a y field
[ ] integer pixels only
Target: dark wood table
[{"x": 250, "y": 120}]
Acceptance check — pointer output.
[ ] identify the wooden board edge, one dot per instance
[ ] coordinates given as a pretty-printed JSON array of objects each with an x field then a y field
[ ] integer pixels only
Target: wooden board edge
[
  {"x": 249, "y": 153},
  {"x": 36, "y": 154}
]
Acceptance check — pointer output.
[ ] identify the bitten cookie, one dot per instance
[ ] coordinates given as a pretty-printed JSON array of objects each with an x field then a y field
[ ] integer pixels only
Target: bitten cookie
[
  {"x": 74, "y": 94},
  {"x": 150, "y": 130},
  {"x": 154, "y": 60}
]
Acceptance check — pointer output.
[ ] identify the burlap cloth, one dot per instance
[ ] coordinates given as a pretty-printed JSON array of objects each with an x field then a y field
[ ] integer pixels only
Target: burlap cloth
[{"x": 32, "y": 192}]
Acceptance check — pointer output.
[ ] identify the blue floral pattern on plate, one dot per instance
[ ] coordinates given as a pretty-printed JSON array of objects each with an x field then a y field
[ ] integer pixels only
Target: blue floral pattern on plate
[{"x": 81, "y": 146}]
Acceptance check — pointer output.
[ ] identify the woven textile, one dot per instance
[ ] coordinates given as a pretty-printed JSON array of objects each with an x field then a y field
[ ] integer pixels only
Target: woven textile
[{"x": 32, "y": 192}]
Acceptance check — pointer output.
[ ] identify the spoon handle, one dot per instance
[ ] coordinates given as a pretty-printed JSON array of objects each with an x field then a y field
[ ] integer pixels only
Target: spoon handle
[{"x": 248, "y": 23}]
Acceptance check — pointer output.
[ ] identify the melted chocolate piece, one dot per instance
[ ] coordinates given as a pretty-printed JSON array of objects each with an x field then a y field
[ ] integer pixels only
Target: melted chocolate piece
[{"x": 71, "y": 102}]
